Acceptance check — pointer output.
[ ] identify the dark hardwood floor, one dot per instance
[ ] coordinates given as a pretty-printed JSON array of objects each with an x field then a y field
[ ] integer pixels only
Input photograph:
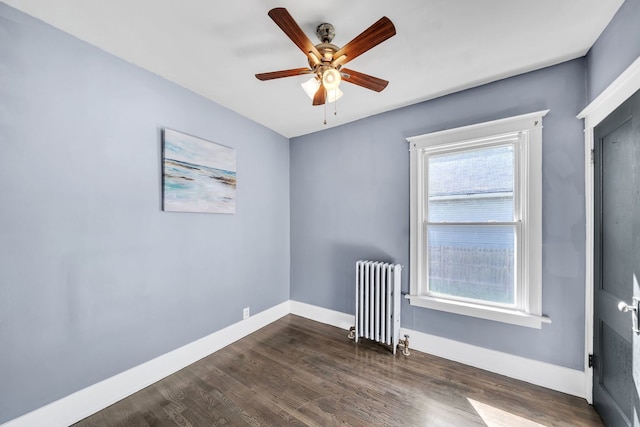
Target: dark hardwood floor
[{"x": 299, "y": 372}]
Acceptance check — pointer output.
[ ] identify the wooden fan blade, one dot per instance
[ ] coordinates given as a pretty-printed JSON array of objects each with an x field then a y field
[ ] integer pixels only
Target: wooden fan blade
[
  {"x": 285, "y": 21},
  {"x": 363, "y": 80},
  {"x": 320, "y": 97},
  {"x": 283, "y": 73},
  {"x": 371, "y": 37}
]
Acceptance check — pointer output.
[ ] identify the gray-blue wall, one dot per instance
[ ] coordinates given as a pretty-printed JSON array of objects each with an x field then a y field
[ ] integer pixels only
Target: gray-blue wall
[
  {"x": 616, "y": 48},
  {"x": 94, "y": 277},
  {"x": 350, "y": 201}
]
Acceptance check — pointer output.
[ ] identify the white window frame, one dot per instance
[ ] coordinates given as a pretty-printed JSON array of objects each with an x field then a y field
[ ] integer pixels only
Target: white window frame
[{"x": 525, "y": 132}]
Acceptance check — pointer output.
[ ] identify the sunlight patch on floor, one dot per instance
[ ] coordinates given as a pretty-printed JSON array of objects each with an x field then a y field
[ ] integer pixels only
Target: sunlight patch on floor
[{"x": 494, "y": 417}]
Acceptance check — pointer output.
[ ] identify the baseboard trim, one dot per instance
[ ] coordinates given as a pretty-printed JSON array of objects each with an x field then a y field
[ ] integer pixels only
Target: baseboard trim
[
  {"x": 323, "y": 315},
  {"x": 559, "y": 378},
  {"x": 544, "y": 374},
  {"x": 81, "y": 404}
]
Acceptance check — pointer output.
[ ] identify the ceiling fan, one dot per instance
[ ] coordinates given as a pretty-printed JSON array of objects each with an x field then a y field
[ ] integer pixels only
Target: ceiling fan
[{"x": 326, "y": 60}]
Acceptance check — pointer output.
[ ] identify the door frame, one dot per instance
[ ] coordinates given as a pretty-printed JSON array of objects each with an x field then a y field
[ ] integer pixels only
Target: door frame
[{"x": 611, "y": 98}]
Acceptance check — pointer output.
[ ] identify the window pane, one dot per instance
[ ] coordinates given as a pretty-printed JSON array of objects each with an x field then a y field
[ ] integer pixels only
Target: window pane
[
  {"x": 473, "y": 262},
  {"x": 471, "y": 186}
]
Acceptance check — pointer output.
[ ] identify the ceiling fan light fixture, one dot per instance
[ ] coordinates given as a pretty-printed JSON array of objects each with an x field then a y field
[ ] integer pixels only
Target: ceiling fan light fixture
[
  {"x": 312, "y": 85},
  {"x": 331, "y": 79},
  {"x": 334, "y": 94},
  {"x": 326, "y": 59}
]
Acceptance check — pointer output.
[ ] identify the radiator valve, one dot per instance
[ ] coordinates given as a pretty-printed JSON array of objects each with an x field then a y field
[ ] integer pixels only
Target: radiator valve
[
  {"x": 404, "y": 344},
  {"x": 352, "y": 333}
]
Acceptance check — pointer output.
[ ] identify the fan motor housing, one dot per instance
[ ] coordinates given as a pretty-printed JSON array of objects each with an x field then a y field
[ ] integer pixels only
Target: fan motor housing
[{"x": 327, "y": 50}]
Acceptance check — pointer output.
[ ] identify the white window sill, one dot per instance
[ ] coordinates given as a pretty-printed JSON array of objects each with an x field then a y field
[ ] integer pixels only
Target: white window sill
[{"x": 497, "y": 314}]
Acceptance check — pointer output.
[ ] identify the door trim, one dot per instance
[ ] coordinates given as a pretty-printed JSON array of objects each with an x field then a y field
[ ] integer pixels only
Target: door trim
[{"x": 611, "y": 98}]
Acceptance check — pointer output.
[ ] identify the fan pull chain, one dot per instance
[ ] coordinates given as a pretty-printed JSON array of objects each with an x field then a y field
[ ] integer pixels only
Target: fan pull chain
[
  {"x": 335, "y": 102},
  {"x": 325, "y": 107}
]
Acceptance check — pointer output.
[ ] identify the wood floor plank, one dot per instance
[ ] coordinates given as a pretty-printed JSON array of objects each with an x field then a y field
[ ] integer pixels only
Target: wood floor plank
[{"x": 296, "y": 372}]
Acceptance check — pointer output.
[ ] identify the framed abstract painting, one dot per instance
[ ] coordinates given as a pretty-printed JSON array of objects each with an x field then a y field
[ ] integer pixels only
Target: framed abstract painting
[{"x": 197, "y": 175}]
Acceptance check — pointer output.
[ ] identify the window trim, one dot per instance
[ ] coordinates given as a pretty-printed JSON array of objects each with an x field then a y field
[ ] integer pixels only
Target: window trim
[{"x": 528, "y": 127}]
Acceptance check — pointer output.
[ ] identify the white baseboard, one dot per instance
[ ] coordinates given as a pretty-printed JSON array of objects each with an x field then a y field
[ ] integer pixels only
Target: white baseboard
[
  {"x": 323, "y": 315},
  {"x": 559, "y": 378},
  {"x": 554, "y": 377},
  {"x": 81, "y": 404}
]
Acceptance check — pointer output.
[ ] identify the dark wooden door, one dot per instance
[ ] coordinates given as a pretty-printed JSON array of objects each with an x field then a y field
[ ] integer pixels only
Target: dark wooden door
[{"x": 616, "y": 375}]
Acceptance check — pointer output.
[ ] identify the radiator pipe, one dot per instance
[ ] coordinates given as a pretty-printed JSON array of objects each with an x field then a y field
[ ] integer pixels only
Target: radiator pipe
[
  {"x": 352, "y": 333},
  {"x": 404, "y": 344}
]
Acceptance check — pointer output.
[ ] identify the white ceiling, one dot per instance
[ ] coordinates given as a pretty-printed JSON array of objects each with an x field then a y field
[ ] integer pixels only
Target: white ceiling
[{"x": 214, "y": 48}]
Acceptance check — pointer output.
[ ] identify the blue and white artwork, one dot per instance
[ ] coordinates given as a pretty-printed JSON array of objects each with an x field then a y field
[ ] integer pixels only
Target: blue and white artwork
[{"x": 198, "y": 175}]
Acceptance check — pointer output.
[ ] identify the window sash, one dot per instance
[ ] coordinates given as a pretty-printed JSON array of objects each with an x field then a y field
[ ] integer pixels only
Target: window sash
[
  {"x": 508, "y": 141},
  {"x": 513, "y": 140},
  {"x": 518, "y": 293}
]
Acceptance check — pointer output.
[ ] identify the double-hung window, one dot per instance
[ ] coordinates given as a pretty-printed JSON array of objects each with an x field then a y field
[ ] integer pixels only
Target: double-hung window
[{"x": 476, "y": 220}]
